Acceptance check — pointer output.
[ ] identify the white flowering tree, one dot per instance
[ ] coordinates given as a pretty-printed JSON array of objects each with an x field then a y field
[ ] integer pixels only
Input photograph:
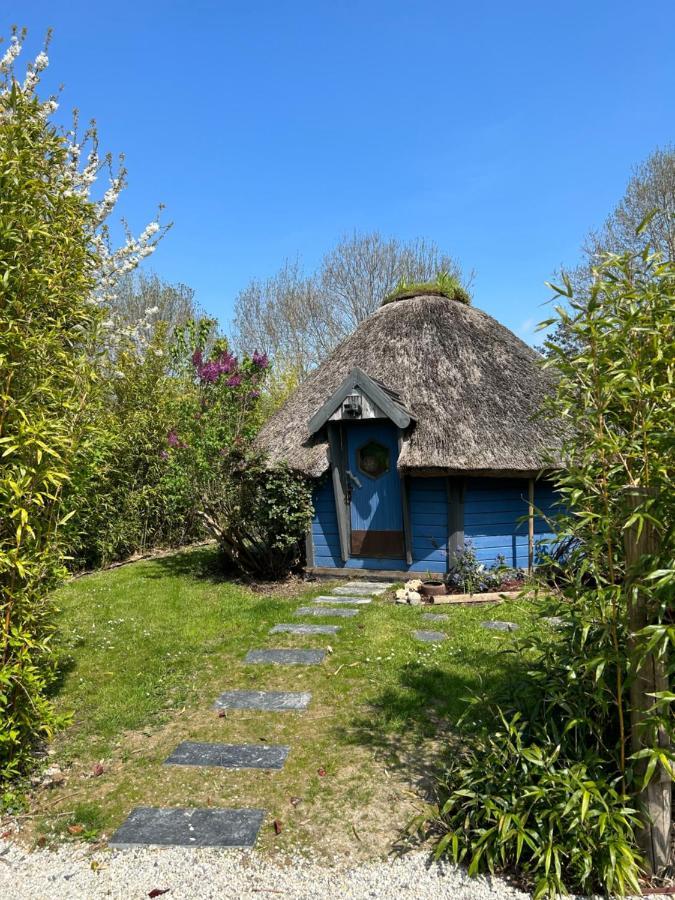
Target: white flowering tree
[{"x": 58, "y": 271}]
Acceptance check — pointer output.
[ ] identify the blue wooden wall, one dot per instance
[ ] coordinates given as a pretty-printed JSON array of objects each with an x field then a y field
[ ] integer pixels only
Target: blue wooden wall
[
  {"x": 325, "y": 538},
  {"x": 428, "y": 499},
  {"x": 492, "y": 510}
]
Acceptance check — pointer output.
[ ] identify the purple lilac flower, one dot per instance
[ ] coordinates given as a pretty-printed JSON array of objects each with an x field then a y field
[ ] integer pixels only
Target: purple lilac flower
[
  {"x": 253, "y": 395},
  {"x": 208, "y": 372},
  {"x": 211, "y": 371},
  {"x": 234, "y": 381},
  {"x": 197, "y": 359},
  {"x": 172, "y": 438},
  {"x": 260, "y": 360}
]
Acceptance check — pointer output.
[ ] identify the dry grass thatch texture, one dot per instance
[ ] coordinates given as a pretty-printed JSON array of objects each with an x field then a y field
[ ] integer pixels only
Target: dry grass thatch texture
[{"x": 473, "y": 386}]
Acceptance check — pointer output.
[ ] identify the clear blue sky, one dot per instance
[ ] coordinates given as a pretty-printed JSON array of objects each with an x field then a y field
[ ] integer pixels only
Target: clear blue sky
[{"x": 503, "y": 131}]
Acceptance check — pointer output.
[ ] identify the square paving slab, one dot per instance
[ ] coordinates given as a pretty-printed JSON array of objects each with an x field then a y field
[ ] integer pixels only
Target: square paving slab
[
  {"x": 434, "y": 617},
  {"x": 499, "y": 626},
  {"x": 270, "y": 701},
  {"x": 305, "y": 629},
  {"x": 362, "y": 587},
  {"x": 325, "y": 611},
  {"x": 285, "y": 657},
  {"x": 431, "y": 637},
  {"x": 347, "y": 601},
  {"x": 228, "y": 756},
  {"x": 150, "y": 826}
]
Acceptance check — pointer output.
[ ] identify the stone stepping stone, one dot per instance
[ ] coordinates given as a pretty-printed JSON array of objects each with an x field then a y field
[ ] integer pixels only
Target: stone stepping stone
[
  {"x": 305, "y": 629},
  {"x": 434, "y": 617},
  {"x": 347, "y": 601},
  {"x": 228, "y": 756},
  {"x": 325, "y": 611},
  {"x": 362, "y": 587},
  {"x": 285, "y": 657},
  {"x": 269, "y": 701},
  {"x": 430, "y": 637},
  {"x": 499, "y": 626},
  {"x": 151, "y": 826}
]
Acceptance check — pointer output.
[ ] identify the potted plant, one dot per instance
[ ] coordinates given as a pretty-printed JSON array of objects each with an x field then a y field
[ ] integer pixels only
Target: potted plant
[{"x": 432, "y": 587}]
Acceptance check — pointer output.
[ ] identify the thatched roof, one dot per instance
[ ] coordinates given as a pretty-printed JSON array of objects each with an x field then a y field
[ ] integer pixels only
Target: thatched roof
[{"x": 472, "y": 385}]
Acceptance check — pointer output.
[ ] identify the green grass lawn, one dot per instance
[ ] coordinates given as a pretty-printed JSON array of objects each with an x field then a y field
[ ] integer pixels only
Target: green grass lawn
[{"x": 151, "y": 645}]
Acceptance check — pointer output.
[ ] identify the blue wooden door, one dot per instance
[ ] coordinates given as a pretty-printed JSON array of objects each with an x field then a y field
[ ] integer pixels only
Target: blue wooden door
[{"x": 375, "y": 487}]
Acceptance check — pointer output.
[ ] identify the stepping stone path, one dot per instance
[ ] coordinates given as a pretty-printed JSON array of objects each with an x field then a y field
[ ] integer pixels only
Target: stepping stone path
[
  {"x": 499, "y": 626},
  {"x": 150, "y": 826},
  {"x": 228, "y": 756},
  {"x": 305, "y": 629},
  {"x": 269, "y": 701},
  {"x": 434, "y": 617},
  {"x": 362, "y": 587},
  {"x": 430, "y": 637},
  {"x": 285, "y": 657},
  {"x": 347, "y": 601},
  {"x": 325, "y": 611}
]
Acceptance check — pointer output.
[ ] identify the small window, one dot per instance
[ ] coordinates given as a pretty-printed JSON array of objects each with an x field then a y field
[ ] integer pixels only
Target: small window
[{"x": 373, "y": 459}]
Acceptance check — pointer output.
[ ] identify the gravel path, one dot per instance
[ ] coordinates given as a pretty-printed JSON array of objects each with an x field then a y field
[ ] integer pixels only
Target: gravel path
[{"x": 67, "y": 874}]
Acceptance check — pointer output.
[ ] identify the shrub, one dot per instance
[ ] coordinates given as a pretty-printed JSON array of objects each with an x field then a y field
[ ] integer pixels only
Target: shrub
[
  {"x": 259, "y": 516},
  {"x": 511, "y": 803},
  {"x": 468, "y": 575},
  {"x": 46, "y": 323},
  {"x": 54, "y": 265},
  {"x": 123, "y": 496}
]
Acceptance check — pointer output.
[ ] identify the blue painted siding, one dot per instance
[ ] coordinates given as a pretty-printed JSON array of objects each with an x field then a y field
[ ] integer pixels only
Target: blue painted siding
[
  {"x": 428, "y": 501},
  {"x": 429, "y": 525},
  {"x": 493, "y": 517},
  {"x": 493, "y": 509},
  {"x": 325, "y": 537}
]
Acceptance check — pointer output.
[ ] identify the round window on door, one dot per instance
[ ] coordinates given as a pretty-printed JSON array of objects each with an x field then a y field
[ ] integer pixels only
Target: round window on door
[{"x": 373, "y": 459}]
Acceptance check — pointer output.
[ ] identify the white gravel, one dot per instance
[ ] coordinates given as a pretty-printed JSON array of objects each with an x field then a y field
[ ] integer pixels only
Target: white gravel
[{"x": 68, "y": 874}]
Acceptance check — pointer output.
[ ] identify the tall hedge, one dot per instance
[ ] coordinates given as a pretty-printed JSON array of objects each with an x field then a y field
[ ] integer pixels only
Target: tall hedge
[{"x": 47, "y": 318}]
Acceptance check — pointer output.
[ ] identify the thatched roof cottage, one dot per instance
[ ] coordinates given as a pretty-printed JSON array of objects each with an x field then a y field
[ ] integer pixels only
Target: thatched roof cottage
[{"x": 422, "y": 431}]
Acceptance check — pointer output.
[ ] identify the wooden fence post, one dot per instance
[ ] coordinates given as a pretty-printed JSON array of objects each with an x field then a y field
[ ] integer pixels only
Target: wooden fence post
[{"x": 650, "y": 676}]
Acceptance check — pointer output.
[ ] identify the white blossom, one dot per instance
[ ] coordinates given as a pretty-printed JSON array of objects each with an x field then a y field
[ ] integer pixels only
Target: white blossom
[
  {"x": 41, "y": 62},
  {"x": 150, "y": 229},
  {"x": 80, "y": 175},
  {"x": 49, "y": 107},
  {"x": 11, "y": 53}
]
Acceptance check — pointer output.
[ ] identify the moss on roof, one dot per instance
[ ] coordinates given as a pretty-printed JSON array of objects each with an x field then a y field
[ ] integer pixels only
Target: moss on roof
[{"x": 444, "y": 285}]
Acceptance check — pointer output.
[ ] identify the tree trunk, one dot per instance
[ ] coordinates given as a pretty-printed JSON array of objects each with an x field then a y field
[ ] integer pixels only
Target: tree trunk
[{"x": 650, "y": 675}]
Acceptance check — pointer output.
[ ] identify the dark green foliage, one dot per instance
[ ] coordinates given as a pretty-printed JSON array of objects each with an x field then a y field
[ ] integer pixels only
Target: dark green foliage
[
  {"x": 259, "y": 515},
  {"x": 119, "y": 496},
  {"x": 444, "y": 285},
  {"x": 537, "y": 790},
  {"x": 509, "y": 802},
  {"x": 163, "y": 415}
]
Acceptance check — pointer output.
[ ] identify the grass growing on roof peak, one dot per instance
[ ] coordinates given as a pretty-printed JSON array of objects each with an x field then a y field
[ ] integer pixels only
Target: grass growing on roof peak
[{"x": 444, "y": 285}]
